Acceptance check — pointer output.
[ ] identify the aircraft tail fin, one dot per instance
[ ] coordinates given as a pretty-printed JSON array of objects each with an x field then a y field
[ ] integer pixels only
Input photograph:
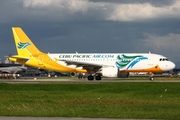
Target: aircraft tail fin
[{"x": 24, "y": 46}]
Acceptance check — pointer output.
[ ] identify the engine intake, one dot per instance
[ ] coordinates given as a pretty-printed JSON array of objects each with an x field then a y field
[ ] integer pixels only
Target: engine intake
[{"x": 72, "y": 74}]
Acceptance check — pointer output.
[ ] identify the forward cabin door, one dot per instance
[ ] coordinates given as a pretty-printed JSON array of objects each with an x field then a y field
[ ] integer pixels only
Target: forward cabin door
[
  {"x": 150, "y": 60},
  {"x": 40, "y": 59}
]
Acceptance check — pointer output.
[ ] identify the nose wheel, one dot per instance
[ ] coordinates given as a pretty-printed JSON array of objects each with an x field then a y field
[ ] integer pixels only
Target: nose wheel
[{"x": 152, "y": 77}]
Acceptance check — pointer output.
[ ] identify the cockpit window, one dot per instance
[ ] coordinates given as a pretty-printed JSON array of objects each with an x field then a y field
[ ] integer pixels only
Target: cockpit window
[{"x": 163, "y": 59}]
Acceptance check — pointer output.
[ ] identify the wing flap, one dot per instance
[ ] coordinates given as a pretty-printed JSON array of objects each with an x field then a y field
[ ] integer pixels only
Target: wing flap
[{"x": 84, "y": 65}]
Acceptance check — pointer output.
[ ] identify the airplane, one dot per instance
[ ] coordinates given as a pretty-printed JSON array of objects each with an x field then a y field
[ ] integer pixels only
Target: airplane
[
  {"x": 94, "y": 65},
  {"x": 12, "y": 69}
]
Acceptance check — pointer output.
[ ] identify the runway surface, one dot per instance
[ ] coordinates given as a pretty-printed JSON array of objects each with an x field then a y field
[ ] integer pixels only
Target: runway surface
[{"x": 50, "y": 80}]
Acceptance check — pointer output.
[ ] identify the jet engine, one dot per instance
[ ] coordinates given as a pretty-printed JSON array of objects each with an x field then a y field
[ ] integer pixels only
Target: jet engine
[
  {"x": 73, "y": 74},
  {"x": 113, "y": 72}
]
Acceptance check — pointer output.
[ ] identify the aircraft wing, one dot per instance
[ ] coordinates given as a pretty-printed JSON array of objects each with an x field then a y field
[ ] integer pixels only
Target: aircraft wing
[
  {"x": 84, "y": 65},
  {"x": 12, "y": 69},
  {"x": 5, "y": 71}
]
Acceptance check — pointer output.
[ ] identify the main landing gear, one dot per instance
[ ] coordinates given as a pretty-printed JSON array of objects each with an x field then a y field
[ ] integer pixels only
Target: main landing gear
[{"x": 97, "y": 77}]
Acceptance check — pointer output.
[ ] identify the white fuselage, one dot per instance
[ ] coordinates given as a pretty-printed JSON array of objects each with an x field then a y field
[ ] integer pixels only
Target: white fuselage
[{"x": 124, "y": 62}]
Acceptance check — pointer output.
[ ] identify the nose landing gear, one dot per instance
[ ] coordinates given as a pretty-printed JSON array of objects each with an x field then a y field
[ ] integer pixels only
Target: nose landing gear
[{"x": 152, "y": 77}]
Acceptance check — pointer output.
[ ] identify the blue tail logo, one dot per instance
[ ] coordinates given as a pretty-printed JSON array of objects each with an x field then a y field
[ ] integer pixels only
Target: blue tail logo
[{"x": 22, "y": 45}]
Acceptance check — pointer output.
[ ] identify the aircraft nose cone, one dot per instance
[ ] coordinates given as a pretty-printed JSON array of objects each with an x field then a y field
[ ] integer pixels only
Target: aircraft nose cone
[
  {"x": 172, "y": 65},
  {"x": 168, "y": 66}
]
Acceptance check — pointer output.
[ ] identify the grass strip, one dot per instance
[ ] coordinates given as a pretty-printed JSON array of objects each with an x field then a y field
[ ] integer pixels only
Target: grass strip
[{"x": 146, "y": 100}]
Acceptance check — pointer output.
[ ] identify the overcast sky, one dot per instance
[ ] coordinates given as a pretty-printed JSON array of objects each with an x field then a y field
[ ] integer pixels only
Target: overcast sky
[{"x": 86, "y": 26}]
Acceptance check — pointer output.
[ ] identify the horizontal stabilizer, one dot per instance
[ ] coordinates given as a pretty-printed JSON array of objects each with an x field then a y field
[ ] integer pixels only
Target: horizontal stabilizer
[{"x": 18, "y": 58}]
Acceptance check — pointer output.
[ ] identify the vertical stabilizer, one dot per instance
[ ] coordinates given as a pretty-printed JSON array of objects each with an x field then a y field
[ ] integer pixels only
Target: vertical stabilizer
[{"x": 24, "y": 45}]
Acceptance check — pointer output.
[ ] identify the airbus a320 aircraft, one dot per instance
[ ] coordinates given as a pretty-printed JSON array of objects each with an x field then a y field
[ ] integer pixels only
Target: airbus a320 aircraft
[
  {"x": 94, "y": 65},
  {"x": 12, "y": 69}
]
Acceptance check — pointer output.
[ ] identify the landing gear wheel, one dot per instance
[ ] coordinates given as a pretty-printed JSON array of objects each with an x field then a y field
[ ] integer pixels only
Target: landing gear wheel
[
  {"x": 90, "y": 77},
  {"x": 151, "y": 78},
  {"x": 98, "y": 77}
]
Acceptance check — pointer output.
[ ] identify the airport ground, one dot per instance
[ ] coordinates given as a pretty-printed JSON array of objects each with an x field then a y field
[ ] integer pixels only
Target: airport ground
[
  {"x": 53, "y": 118},
  {"x": 57, "y": 118},
  {"x": 142, "y": 78},
  {"x": 136, "y": 98}
]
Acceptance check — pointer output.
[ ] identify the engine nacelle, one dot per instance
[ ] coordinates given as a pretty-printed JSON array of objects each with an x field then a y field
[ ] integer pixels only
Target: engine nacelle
[
  {"x": 109, "y": 72},
  {"x": 113, "y": 72},
  {"x": 73, "y": 74}
]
